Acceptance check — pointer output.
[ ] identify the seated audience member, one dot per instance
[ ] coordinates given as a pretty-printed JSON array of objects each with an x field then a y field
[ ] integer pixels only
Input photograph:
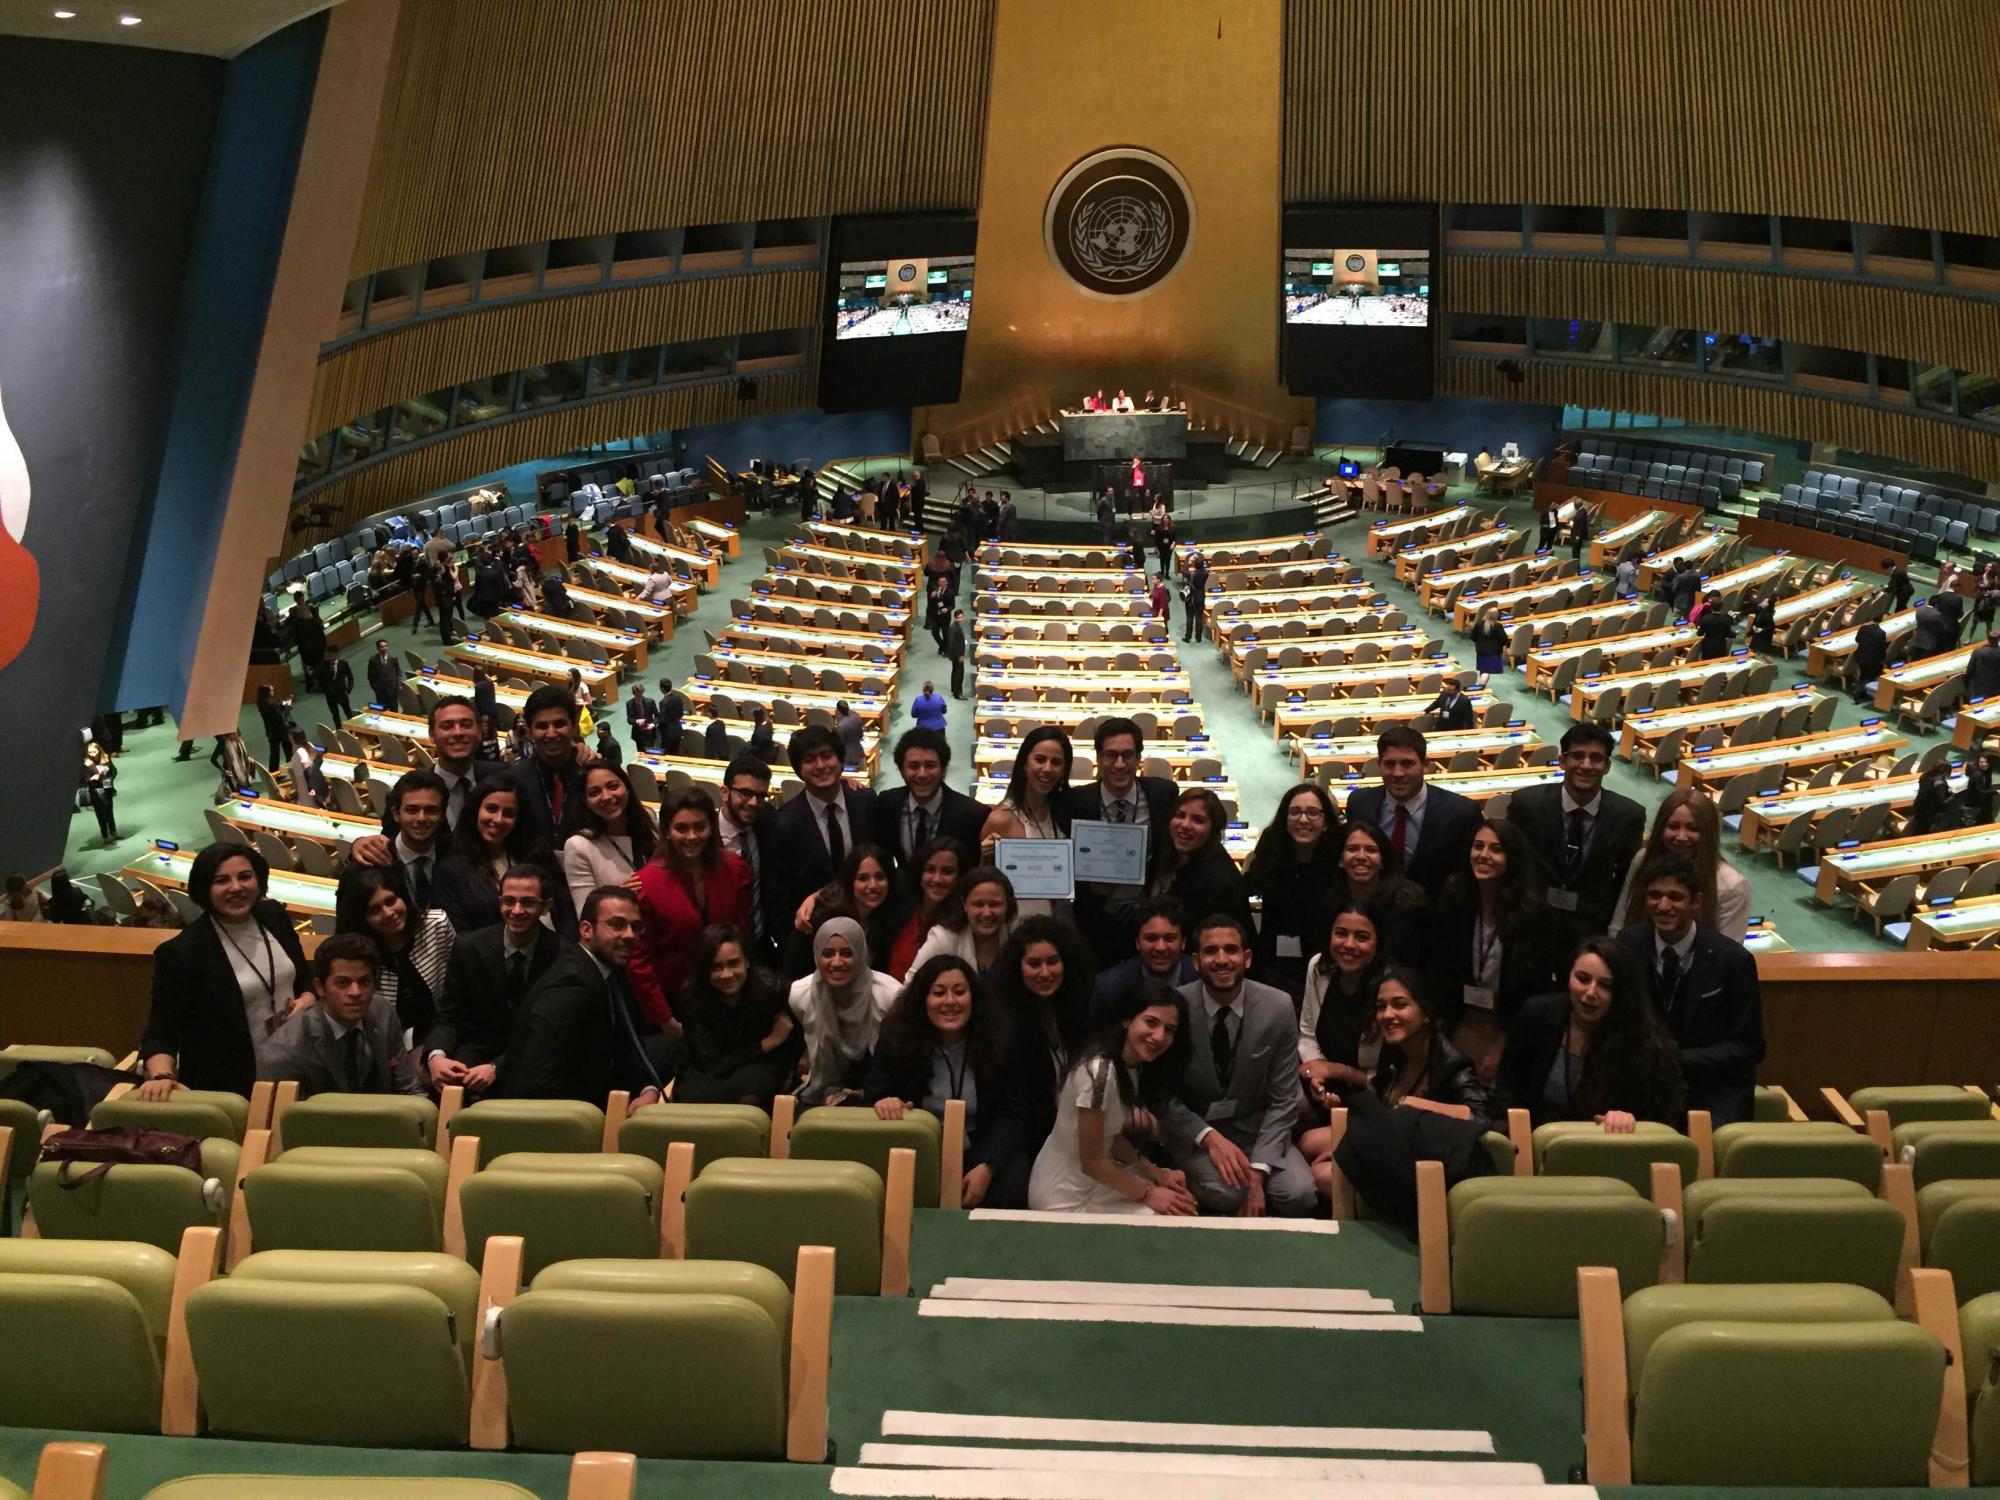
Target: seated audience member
[
  {"x": 739, "y": 1043},
  {"x": 862, "y": 888},
  {"x": 615, "y": 836},
  {"x": 1191, "y": 865},
  {"x": 1128, "y": 1074},
  {"x": 1042, "y": 982},
  {"x": 1583, "y": 834},
  {"x": 914, "y": 912},
  {"x": 1338, "y": 1043},
  {"x": 491, "y": 971},
  {"x": 1291, "y": 872},
  {"x": 975, "y": 925},
  {"x": 1371, "y": 875},
  {"x": 225, "y": 982},
  {"x": 412, "y": 947},
  {"x": 352, "y": 1041},
  {"x": 1594, "y": 1050},
  {"x": 1230, "y": 1126},
  {"x": 488, "y": 842},
  {"x": 1161, "y": 958},
  {"x": 579, "y": 1034},
  {"x": 946, "y": 1038},
  {"x": 1489, "y": 950},
  {"x": 1687, "y": 826},
  {"x": 1704, "y": 987},
  {"x": 839, "y": 1008},
  {"x": 690, "y": 883}
]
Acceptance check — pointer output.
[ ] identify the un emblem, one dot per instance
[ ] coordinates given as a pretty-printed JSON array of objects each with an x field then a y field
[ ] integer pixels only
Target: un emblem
[{"x": 1119, "y": 222}]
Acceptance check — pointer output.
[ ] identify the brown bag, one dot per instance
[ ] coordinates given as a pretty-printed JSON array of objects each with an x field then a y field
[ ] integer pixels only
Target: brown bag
[{"x": 128, "y": 1145}]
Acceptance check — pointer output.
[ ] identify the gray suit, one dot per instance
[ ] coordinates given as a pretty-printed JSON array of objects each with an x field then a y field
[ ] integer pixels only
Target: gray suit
[
  {"x": 1257, "y": 1111},
  {"x": 306, "y": 1049}
]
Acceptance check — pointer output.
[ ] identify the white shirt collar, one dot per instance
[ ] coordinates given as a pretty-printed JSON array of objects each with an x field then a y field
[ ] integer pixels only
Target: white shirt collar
[
  {"x": 1682, "y": 948},
  {"x": 1589, "y": 809},
  {"x": 406, "y": 853},
  {"x": 935, "y": 804},
  {"x": 1416, "y": 803},
  {"x": 1211, "y": 1005}
]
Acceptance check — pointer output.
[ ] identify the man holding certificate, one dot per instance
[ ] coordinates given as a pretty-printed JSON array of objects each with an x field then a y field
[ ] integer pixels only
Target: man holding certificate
[{"x": 1108, "y": 894}]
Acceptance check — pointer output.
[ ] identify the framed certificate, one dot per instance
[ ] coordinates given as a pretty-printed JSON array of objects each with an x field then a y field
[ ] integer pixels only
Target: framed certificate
[
  {"x": 1040, "y": 869},
  {"x": 1110, "y": 853}
]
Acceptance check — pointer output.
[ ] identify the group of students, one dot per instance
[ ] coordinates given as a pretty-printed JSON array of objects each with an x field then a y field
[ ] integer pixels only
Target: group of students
[{"x": 1157, "y": 1046}]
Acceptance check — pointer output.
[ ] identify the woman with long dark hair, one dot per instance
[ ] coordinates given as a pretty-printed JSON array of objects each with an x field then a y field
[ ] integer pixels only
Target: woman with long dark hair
[
  {"x": 1036, "y": 802},
  {"x": 741, "y": 1043},
  {"x": 1417, "y": 1061},
  {"x": 1338, "y": 1044},
  {"x": 1292, "y": 872},
  {"x": 1193, "y": 867},
  {"x": 1371, "y": 873},
  {"x": 614, "y": 837},
  {"x": 1043, "y": 979},
  {"x": 946, "y": 1038},
  {"x": 939, "y": 866},
  {"x": 490, "y": 839},
  {"x": 862, "y": 888},
  {"x": 412, "y": 948},
  {"x": 690, "y": 883},
  {"x": 1594, "y": 1050},
  {"x": 976, "y": 922},
  {"x": 1489, "y": 947},
  {"x": 1128, "y": 1071}
]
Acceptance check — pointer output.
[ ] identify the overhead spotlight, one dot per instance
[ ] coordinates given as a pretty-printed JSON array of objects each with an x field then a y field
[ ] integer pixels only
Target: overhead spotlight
[
  {"x": 128, "y": 20},
  {"x": 65, "y": 15}
]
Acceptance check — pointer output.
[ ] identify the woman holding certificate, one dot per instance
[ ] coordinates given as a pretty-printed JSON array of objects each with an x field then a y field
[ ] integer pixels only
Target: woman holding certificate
[{"x": 1035, "y": 805}]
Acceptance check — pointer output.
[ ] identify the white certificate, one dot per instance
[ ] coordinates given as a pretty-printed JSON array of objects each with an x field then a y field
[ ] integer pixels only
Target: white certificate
[
  {"x": 1040, "y": 869},
  {"x": 1110, "y": 853}
]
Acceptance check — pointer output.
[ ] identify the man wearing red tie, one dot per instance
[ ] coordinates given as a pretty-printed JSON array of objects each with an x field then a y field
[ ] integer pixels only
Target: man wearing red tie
[{"x": 1430, "y": 827}]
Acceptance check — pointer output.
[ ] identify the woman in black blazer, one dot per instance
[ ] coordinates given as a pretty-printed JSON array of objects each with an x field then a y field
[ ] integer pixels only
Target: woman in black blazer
[
  {"x": 1488, "y": 950},
  {"x": 225, "y": 982},
  {"x": 1191, "y": 865},
  {"x": 1595, "y": 1049}
]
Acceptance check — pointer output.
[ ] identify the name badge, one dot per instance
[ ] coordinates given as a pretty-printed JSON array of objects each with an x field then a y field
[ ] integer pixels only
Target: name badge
[
  {"x": 1478, "y": 997},
  {"x": 1222, "y": 1109},
  {"x": 1288, "y": 946},
  {"x": 1562, "y": 900}
]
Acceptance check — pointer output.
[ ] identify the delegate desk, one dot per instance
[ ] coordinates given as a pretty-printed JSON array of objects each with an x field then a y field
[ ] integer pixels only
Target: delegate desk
[
  {"x": 871, "y": 708},
  {"x": 333, "y": 830},
  {"x": 380, "y": 723},
  {"x": 1762, "y": 937},
  {"x": 1975, "y": 721},
  {"x": 825, "y": 588},
  {"x": 704, "y": 566},
  {"x": 1793, "y": 757},
  {"x": 910, "y": 544},
  {"x": 1301, "y": 717},
  {"x": 1585, "y": 692},
  {"x": 1654, "y": 567},
  {"x": 1764, "y": 817},
  {"x": 1413, "y": 563},
  {"x": 1770, "y": 568},
  {"x": 1273, "y": 685},
  {"x": 739, "y": 728},
  {"x": 1129, "y": 687},
  {"x": 1827, "y": 655},
  {"x": 1610, "y": 543},
  {"x": 1433, "y": 589},
  {"x": 850, "y": 674},
  {"x": 1104, "y": 436},
  {"x": 1441, "y": 746},
  {"x": 610, "y": 643},
  {"x": 610, "y": 570},
  {"x": 1325, "y": 650},
  {"x": 1263, "y": 549},
  {"x": 1471, "y": 606},
  {"x": 1913, "y": 680},
  {"x": 1323, "y": 572},
  {"x": 1480, "y": 786},
  {"x": 1847, "y": 872},
  {"x": 767, "y": 606},
  {"x": 1045, "y": 581},
  {"x": 1625, "y": 610},
  {"x": 812, "y": 552},
  {"x": 1543, "y": 660},
  {"x": 1275, "y": 601},
  {"x": 1125, "y": 633},
  {"x": 1064, "y": 656},
  {"x": 1955, "y": 924},
  {"x": 993, "y": 754},
  {"x": 600, "y": 677},
  {"x": 301, "y": 895},
  {"x": 1231, "y": 631},
  {"x": 1649, "y": 728},
  {"x": 1826, "y": 596},
  {"x": 660, "y": 616},
  {"x": 997, "y": 716},
  {"x": 1386, "y": 537},
  {"x": 1075, "y": 606},
  {"x": 717, "y": 534},
  {"x": 1048, "y": 555},
  {"x": 884, "y": 647}
]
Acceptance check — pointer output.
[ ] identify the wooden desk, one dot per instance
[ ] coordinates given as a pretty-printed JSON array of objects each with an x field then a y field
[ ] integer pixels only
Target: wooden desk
[
  {"x": 1763, "y": 817},
  {"x": 1434, "y": 588},
  {"x": 827, "y": 589},
  {"x": 1296, "y": 718},
  {"x": 1543, "y": 660},
  {"x": 332, "y": 830},
  {"x": 1768, "y": 569},
  {"x": 609, "y": 570},
  {"x": 1797, "y": 756},
  {"x": 1440, "y": 746},
  {"x": 1960, "y": 924},
  {"x": 1916, "y": 678},
  {"x": 996, "y": 716},
  {"x": 1976, "y": 720},
  {"x": 1829, "y": 650},
  {"x": 723, "y": 538},
  {"x": 850, "y": 672},
  {"x": 378, "y": 723},
  {"x": 1653, "y": 567},
  {"x": 884, "y": 647},
  {"x": 64, "y": 985},
  {"x": 1313, "y": 572},
  {"x": 610, "y": 644},
  {"x": 1413, "y": 562},
  {"x": 871, "y": 709},
  {"x": 911, "y": 544},
  {"x": 703, "y": 566},
  {"x": 1386, "y": 537},
  {"x": 1845, "y": 872},
  {"x": 994, "y": 753},
  {"x": 1812, "y": 601},
  {"x": 1274, "y": 600},
  {"x": 1051, "y": 554},
  {"x": 1332, "y": 649},
  {"x": 1131, "y": 687},
  {"x": 1470, "y": 605},
  {"x": 767, "y": 607},
  {"x": 1075, "y": 658},
  {"x": 1629, "y": 608},
  {"x": 1227, "y": 632},
  {"x": 1648, "y": 729},
  {"x": 1061, "y": 583},
  {"x": 807, "y": 555},
  {"x": 1136, "y": 633},
  {"x": 988, "y": 605},
  {"x": 1585, "y": 691},
  {"x": 1761, "y": 937},
  {"x": 1262, "y": 548},
  {"x": 738, "y": 728},
  {"x": 661, "y": 617},
  {"x": 1807, "y": 541},
  {"x": 600, "y": 677},
  {"x": 1608, "y": 544}
]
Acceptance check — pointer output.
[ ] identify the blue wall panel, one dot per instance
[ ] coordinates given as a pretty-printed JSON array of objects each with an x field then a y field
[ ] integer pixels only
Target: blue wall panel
[{"x": 1456, "y": 424}]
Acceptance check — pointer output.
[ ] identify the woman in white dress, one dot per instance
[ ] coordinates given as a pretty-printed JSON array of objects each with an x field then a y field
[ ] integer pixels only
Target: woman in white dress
[
  {"x": 976, "y": 921},
  {"x": 1087, "y": 1165},
  {"x": 1035, "y": 805},
  {"x": 1688, "y": 825},
  {"x": 839, "y": 1008}
]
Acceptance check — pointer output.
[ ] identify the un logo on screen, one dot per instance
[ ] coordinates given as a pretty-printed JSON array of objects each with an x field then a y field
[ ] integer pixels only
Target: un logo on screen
[{"x": 1119, "y": 222}]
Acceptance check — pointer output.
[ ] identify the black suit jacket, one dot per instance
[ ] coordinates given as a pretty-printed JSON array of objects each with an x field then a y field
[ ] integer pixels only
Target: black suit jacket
[
  {"x": 549, "y": 832},
  {"x": 473, "y": 1020},
  {"x": 1528, "y": 962},
  {"x": 959, "y": 817},
  {"x": 1458, "y": 714},
  {"x": 1103, "y": 913},
  {"x": 197, "y": 1012},
  {"x": 1443, "y": 836},
  {"x": 1619, "y": 830},
  {"x": 567, "y": 1043},
  {"x": 1717, "y": 1016},
  {"x": 795, "y": 856},
  {"x": 385, "y": 675}
]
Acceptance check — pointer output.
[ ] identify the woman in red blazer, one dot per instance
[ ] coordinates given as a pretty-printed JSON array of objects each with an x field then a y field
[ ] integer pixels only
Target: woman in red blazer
[{"x": 690, "y": 882}]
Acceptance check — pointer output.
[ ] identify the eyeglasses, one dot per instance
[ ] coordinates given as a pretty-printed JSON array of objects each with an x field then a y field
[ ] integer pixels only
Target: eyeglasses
[
  {"x": 749, "y": 794},
  {"x": 1310, "y": 812}
]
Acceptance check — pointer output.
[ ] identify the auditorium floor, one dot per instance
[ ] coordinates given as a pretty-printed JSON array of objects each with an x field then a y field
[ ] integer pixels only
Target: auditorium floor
[{"x": 160, "y": 797}]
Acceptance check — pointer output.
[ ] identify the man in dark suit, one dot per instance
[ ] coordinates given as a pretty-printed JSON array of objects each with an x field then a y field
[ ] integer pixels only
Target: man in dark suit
[
  {"x": 1161, "y": 959},
  {"x": 923, "y": 807},
  {"x": 1871, "y": 654},
  {"x": 811, "y": 834},
  {"x": 579, "y": 1033},
  {"x": 309, "y": 635},
  {"x": 1429, "y": 826},
  {"x": 746, "y": 833},
  {"x": 349, "y": 1043},
  {"x": 457, "y": 772},
  {"x": 551, "y": 779},
  {"x": 385, "y": 676},
  {"x": 1109, "y": 914},
  {"x": 1451, "y": 709},
  {"x": 954, "y": 647},
  {"x": 1582, "y": 835},
  {"x": 1982, "y": 671},
  {"x": 643, "y": 714},
  {"x": 492, "y": 970},
  {"x": 1704, "y": 986}
]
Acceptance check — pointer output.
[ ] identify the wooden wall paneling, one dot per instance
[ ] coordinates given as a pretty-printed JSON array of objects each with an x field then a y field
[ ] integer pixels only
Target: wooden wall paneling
[{"x": 518, "y": 120}]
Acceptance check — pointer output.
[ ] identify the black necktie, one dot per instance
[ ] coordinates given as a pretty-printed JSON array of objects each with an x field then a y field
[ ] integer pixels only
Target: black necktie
[
  {"x": 621, "y": 1015},
  {"x": 355, "y": 1061},
  {"x": 517, "y": 980},
  {"x": 1670, "y": 978},
  {"x": 420, "y": 881},
  {"x": 922, "y": 834},
  {"x": 836, "y": 841},
  {"x": 1579, "y": 835},
  {"x": 1218, "y": 1046}
]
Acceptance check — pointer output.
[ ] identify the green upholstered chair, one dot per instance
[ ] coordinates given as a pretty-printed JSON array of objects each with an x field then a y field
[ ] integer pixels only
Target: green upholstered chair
[
  {"x": 858, "y": 1135},
  {"x": 716, "y": 1131},
  {"x": 11, "y": 1491},
  {"x": 1921, "y": 1101},
  {"x": 280, "y": 1487},
  {"x": 1860, "y": 1390},
  {"x": 763, "y": 1211},
  {"x": 564, "y": 1207},
  {"x": 1939, "y": 1150},
  {"x": 1810, "y": 1148},
  {"x": 85, "y": 1326},
  {"x": 25, "y": 1144},
  {"x": 377, "y": 1120},
  {"x": 390, "y": 1341},
  {"x": 133, "y": 1201},
  {"x": 1771, "y": 1106},
  {"x": 348, "y": 1198},
  {"x": 1958, "y": 1230},
  {"x": 196, "y": 1112},
  {"x": 1511, "y": 1245},
  {"x": 36, "y": 1052},
  {"x": 1791, "y": 1229},
  {"x": 1583, "y": 1149},
  {"x": 1979, "y": 1337},
  {"x": 505, "y": 1125}
]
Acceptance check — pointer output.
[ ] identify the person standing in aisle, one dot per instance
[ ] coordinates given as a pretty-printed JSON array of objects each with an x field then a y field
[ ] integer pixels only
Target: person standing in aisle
[
  {"x": 336, "y": 681},
  {"x": 1194, "y": 586},
  {"x": 954, "y": 647}
]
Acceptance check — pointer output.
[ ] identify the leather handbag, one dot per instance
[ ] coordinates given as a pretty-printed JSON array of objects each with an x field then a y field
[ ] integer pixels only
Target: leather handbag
[{"x": 127, "y": 1145}]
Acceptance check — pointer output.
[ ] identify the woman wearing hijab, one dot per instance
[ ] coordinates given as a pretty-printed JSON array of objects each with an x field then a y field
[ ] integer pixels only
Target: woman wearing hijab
[{"x": 839, "y": 1007}]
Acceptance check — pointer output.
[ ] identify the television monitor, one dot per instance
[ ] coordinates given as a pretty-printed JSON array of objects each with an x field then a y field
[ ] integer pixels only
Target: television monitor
[
  {"x": 1355, "y": 300},
  {"x": 898, "y": 305}
]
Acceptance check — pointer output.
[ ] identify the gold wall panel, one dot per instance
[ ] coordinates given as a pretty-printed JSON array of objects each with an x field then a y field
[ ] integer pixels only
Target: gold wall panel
[
  {"x": 414, "y": 359},
  {"x": 510, "y": 121},
  {"x": 1911, "y": 323},
  {"x": 1839, "y": 109},
  {"x": 417, "y": 471},
  {"x": 1200, "y": 86},
  {"x": 1916, "y": 439}
]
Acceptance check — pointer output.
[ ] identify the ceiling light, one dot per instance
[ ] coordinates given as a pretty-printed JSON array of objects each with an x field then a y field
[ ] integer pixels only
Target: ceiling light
[
  {"x": 65, "y": 15},
  {"x": 128, "y": 20}
]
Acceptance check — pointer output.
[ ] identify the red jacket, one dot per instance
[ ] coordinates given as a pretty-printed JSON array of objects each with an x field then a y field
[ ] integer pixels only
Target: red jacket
[{"x": 673, "y": 924}]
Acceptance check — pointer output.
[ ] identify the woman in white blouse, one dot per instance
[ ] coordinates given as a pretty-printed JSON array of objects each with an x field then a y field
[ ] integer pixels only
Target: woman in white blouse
[
  {"x": 975, "y": 923},
  {"x": 614, "y": 838},
  {"x": 1688, "y": 825}
]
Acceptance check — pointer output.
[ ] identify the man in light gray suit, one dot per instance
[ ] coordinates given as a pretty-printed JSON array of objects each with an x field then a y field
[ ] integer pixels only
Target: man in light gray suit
[
  {"x": 1231, "y": 1128},
  {"x": 350, "y": 1041}
]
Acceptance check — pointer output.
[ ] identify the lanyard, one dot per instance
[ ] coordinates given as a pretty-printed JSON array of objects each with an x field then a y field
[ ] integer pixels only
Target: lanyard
[
  {"x": 266, "y": 974},
  {"x": 956, "y": 1076}
]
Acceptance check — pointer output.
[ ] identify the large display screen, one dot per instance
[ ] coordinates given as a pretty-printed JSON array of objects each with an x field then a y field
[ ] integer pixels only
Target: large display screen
[
  {"x": 1355, "y": 300},
  {"x": 899, "y": 302}
]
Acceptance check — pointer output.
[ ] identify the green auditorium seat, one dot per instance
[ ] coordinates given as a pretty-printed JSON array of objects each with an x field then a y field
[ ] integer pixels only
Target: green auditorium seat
[
  {"x": 22, "y": 1142},
  {"x": 592, "y": 1476},
  {"x": 377, "y": 1120},
  {"x": 1979, "y": 1335},
  {"x": 736, "y": 1361},
  {"x": 390, "y": 1341},
  {"x": 504, "y": 1125},
  {"x": 196, "y": 1112},
  {"x": 1958, "y": 1230},
  {"x": 1511, "y": 1245},
  {"x": 1811, "y": 1148},
  {"x": 716, "y": 1131},
  {"x": 1773, "y": 1106},
  {"x": 1939, "y": 1150},
  {"x": 1796, "y": 1229},
  {"x": 348, "y": 1198},
  {"x": 857, "y": 1135},
  {"x": 1926, "y": 1101},
  {"x": 564, "y": 1206},
  {"x": 84, "y": 1324},
  {"x": 1803, "y": 1384},
  {"x": 134, "y": 1201},
  {"x": 35, "y": 1052},
  {"x": 765, "y": 1211},
  {"x": 1584, "y": 1149}
]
